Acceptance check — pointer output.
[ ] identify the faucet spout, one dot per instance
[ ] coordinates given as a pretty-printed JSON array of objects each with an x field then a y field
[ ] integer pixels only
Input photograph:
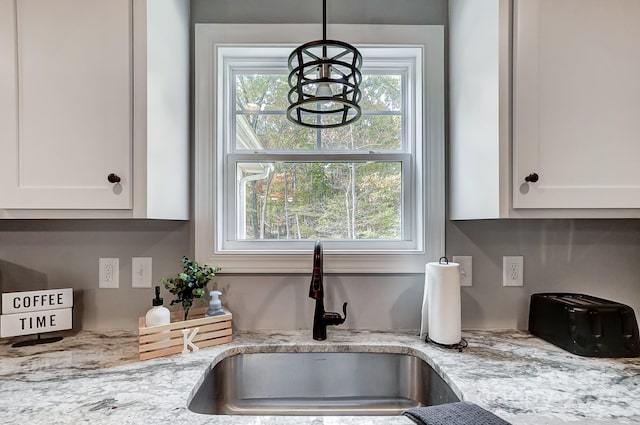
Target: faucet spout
[
  {"x": 322, "y": 318},
  {"x": 316, "y": 290}
]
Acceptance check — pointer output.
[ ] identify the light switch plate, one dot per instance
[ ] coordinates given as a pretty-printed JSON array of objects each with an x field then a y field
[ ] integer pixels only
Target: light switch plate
[
  {"x": 466, "y": 269},
  {"x": 141, "y": 276}
]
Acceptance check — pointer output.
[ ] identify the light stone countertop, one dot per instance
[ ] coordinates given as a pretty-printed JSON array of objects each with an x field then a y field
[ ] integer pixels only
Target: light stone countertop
[{"x": 95, "y": 377}]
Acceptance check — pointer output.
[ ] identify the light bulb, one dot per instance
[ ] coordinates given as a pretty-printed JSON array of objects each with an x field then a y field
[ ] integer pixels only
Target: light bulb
[{"x": 324, "y": 90}]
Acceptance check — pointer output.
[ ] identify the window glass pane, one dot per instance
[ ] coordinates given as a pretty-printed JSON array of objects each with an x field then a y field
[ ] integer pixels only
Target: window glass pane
[
  {"x": 268, "y": 92},
  {"x": 370, "y": 132},
  {"x": 272, "y": 132},
  {"x": 261, "y": 123},
  {"x": 276, "y": 132},
  {"x": 381, "y": 93},
  {"x": 327, "y": 200},
  {"x": 261, "y": 92}
]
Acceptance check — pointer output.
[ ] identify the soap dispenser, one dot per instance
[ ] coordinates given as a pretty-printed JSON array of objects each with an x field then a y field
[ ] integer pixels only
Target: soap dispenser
[
  {"x": 158, "y": 314},
  {"x": 215, "y": 306}
]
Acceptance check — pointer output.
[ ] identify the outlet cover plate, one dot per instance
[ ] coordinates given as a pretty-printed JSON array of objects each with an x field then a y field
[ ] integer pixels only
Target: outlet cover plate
[
  {"x": 109, "y": 273},
  {"x": 513, "y": 270}
]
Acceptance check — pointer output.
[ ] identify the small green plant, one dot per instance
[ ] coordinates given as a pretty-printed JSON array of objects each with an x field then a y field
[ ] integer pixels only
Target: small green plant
[{"x": 190, "y": 284}]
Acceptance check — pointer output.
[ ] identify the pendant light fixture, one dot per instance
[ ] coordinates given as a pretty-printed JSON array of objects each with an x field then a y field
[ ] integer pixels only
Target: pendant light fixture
[{"x": 325, "y": 82}]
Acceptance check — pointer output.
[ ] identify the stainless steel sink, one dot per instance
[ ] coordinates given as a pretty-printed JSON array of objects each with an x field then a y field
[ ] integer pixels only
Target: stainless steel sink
[{"x": 319, "y": 384}]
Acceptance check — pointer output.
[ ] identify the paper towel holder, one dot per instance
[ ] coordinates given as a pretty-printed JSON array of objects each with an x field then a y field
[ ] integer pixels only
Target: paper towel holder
[
  {"x": 459, "y": 346},
  {"x": 463, "y": 342}
]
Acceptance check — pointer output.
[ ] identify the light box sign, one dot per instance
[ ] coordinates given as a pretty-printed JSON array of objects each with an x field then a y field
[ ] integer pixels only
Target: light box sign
[{"x": 34, "y": 312}]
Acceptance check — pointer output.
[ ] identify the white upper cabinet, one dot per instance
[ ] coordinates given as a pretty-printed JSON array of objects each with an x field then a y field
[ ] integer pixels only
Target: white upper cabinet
[
  {"x": 72, "y": 61},
  {"x": 556, "y": 102},
  {"x": 576, "y": 103},
  {"x": 94, "y": 109}
]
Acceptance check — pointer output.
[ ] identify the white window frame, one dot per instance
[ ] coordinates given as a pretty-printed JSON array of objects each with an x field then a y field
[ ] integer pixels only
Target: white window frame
[
  {"x": 340, "y": 257},
  {"x": 400, "y": 60}
]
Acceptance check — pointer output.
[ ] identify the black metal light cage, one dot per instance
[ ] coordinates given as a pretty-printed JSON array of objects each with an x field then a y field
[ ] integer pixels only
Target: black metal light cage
[{"x": 319, "y": 65}]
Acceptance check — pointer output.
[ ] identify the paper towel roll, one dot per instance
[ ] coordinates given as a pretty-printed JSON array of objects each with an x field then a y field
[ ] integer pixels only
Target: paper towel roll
[{"x": 441, "y": 316}]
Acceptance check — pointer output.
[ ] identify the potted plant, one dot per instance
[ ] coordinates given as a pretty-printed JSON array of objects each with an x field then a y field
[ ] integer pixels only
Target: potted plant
[{"x": 190, "y": 284}]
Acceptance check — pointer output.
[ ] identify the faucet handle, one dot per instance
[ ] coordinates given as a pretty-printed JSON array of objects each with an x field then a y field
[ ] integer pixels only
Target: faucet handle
[{"x": 331, "y": 318}]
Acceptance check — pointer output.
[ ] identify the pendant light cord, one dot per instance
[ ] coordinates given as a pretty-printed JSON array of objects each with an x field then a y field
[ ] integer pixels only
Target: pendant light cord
[
  {"x": 324, "y": 27},
  {"x": 324, "y": 20}
]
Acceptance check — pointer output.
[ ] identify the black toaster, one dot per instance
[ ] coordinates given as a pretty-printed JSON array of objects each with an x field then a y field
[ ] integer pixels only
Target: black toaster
[{"x": 585, "y": 325}]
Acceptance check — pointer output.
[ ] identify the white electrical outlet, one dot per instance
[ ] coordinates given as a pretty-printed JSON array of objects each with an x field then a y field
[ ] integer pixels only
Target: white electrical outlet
[
  {"x": 109, "y": 273},
  {"x": 466, "y": 269},
  {"x": 513, "y": 271},
  {"x": 141, "y": 272}
]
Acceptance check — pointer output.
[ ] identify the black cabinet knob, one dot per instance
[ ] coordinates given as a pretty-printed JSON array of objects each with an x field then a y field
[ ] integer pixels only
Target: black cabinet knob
[
  {"x": 532, "y": 178},
  {"x": 113, "y": 178}
]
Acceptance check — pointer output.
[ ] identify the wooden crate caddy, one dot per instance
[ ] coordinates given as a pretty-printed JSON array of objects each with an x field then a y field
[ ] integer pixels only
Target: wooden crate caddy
[{"x": 165, "y": 340}]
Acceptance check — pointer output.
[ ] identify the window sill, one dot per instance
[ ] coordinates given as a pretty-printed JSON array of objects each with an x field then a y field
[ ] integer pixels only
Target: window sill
[{"x": 380, "y": 263}]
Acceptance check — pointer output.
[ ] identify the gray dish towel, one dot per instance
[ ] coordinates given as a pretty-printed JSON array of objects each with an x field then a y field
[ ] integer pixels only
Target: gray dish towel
[{"x": 458, "y": 413}]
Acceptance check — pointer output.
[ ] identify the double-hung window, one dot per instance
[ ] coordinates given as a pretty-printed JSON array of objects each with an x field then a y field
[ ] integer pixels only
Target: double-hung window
[{"x": 266, "y": 188}]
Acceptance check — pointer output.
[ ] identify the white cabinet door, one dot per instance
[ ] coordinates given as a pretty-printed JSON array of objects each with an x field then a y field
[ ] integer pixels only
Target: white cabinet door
[
  {"x": 66, "y": 85},
  {"x": 576, "y": 103},
  {"x": 8, "y": 90}
]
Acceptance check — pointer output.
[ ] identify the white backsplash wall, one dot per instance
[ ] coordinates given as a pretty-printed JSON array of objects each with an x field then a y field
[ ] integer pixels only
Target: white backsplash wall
[
  {"x": 40, "y": 254},
  {"x": 277, "y": 302},
  {"x": 597, "y": 257}
]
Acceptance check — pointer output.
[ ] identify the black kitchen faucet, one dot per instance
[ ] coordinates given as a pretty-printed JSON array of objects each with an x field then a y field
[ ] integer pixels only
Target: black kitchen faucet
[{"x": 321, "y": 318}]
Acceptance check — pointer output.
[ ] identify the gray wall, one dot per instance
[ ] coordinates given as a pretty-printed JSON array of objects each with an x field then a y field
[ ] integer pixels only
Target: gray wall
[
  {"x": 400, "y": 12},
  {"x": 597, "y": 257},
  {"x": 600, "y": 257},
  {"x": 39, "y": 254}
]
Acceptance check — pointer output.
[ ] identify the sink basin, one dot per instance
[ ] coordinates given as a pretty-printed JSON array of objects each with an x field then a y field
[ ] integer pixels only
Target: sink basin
[{"x": 317, "y": 384}]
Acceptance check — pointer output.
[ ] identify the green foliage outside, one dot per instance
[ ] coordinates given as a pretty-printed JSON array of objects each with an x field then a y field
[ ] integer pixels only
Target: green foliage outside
[{"x": 326, "y": 200}]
